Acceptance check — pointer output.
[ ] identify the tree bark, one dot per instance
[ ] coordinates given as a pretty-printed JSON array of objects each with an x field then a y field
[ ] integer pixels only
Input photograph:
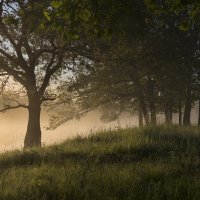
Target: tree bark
[{"x": 33, "y": 133}]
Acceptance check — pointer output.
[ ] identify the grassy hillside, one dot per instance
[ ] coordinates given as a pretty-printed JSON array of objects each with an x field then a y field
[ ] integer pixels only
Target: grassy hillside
[{"x": 149, "y": 163}]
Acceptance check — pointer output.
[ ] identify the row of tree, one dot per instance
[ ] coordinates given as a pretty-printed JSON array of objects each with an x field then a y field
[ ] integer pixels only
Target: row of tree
[
  {"x": 133, "y": 55},
  {"x": 149, "y": 62}
]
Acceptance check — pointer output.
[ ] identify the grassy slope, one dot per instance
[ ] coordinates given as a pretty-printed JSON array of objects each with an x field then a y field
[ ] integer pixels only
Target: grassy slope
[{"x": 149, "y": 163}]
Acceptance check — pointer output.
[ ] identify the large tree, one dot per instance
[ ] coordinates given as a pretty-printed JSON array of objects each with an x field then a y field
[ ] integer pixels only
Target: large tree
[{"x": 33, "y": 55}]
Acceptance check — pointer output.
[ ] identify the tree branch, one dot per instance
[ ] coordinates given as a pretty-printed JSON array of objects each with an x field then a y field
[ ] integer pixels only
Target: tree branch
[
  {"x": 8, "y": 107},
  {"x": 9, "y": 57},
  {"x": 49, "y": 74},
  {"x": 48, "y": 99},
  {"x": 80, "y": 113},
  {"x": 4, "y": 74},
  {"x": 14, "y": 73},
  {"x": 16, "y": 46}
]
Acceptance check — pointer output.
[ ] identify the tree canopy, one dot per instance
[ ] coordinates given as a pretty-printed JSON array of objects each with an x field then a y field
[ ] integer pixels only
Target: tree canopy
[{"x": 138, "y": 56}]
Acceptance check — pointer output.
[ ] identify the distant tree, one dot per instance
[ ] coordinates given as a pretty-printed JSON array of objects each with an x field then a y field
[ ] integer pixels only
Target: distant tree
[
  {"x": 113, "y": 22},
  {"x": 180, "y": 20},
  {"x": 139, "y": 55}
]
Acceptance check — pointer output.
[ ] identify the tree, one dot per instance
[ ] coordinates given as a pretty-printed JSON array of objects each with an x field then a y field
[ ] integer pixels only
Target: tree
[
  {"x": 145, "y": 56},
  {"x": 112, "y": 22},
  {"x": 33, "y": 55},
  {"x": 182, "y": 20}
]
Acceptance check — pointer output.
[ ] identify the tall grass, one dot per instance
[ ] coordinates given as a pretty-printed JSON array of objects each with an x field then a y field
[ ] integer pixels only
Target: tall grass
[{"x": 135, "y": 163}]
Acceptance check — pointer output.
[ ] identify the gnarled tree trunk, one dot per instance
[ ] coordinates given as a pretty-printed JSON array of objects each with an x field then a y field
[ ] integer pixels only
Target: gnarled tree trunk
[{"x": 33, "y": 133}]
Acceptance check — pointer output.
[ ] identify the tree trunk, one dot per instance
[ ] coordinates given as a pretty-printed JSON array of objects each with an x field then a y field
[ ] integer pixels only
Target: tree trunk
[
  {"x": 141, "y": 99},
  {"x": 180, "y": 111},
  {"x": 151, "y": 96},
  {"x": 199, "y": 114},
  {"x": 144, "y": 107},
  {"x": 140, "y": 115},
  {"x": 188, "y": 102},
  {"x": 188, "y": 105},
  {"x": 153, "y": 113},
  {"x": 171, "y": 116},
  {"x": 168, "y": 114},
  {"x": 167, "y": 121},
  {"x": 33, "y": 133}
]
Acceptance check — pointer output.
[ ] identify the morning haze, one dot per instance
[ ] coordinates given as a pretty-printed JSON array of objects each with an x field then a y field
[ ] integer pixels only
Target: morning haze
[
  {"x": 13, "y": 126},
  {"x": 99, "y": 100}
]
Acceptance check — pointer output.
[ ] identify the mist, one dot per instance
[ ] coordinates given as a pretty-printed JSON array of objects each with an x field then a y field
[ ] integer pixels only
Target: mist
[{"x": 13, "y": 126}]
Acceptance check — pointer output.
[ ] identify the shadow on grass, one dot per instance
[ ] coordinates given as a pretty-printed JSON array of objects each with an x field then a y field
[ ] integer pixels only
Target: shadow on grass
[
  {"x": 160, "y": 146},
  {"x": 120, "y": 156}
]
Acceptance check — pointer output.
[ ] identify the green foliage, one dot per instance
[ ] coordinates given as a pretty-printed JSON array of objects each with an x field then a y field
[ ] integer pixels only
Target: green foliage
[
  {"x": 46, "y": 14},
  {"x": 11, "y": 20},
  {"x": 184, "y": 26},
  {"x": 56, "y": 4},
  {"x": 142, "y": 164},
  {"x": 179, "y": 8},
  {"x": 69, "y": 18},
  {"x": 94, "y": 19}
]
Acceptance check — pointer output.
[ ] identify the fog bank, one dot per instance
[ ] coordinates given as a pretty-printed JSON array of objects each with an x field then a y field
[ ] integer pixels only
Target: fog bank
[{"x": 13, "y": 127}]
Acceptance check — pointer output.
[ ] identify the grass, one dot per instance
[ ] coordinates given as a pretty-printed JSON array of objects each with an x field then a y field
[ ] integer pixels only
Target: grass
[{"x": 137, "y": 164}]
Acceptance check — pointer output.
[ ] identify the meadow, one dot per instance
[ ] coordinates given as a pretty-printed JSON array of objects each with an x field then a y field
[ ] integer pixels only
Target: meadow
[{"x": 148, "y": 163}]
